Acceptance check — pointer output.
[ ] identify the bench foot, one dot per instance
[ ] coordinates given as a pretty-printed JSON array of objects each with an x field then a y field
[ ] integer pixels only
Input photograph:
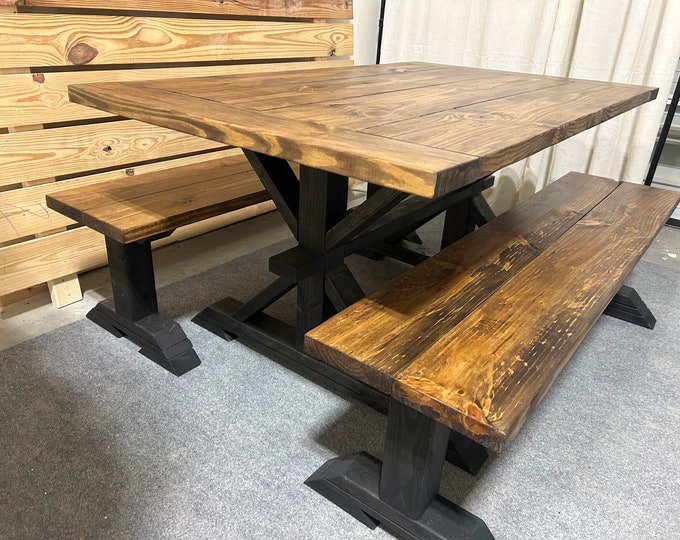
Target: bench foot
[
  {"x": 160, "y": 339},
  {"x": 628, "y": 306},
  {"x": 352, "y": 482}
]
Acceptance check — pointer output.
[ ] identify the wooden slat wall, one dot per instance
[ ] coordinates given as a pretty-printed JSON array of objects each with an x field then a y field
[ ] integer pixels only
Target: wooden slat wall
[{"x": 48, "y": 144}]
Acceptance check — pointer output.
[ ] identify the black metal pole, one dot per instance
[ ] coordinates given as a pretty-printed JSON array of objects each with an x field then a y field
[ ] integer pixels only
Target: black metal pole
[
  {"x": 381, "y": 21},
  {"x": 658, "y": 148}
]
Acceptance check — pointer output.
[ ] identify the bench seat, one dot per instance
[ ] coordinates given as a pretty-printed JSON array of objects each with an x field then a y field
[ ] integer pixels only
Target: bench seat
[
  {"x": 130, "y": 213},
  {"x": 143, "y": 206},
  {"x": 474, "y": 336},
  {"x": 471, "y": 339}
]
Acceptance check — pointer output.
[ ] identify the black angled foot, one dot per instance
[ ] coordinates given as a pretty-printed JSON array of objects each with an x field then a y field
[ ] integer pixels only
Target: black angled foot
[
  {"x": 352, "y": 482},
  {"x": 161, "y": 339},
  {"x": 628, "y": 306}
]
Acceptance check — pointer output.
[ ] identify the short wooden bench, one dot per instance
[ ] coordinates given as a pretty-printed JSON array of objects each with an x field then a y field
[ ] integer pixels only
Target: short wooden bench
[
  {"x": 131, "y": 213},
  {"x": 471, "y": 340}
]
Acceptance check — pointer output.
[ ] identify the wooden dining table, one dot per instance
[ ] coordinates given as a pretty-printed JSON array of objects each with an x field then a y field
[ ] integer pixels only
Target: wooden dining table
[{"x": 424, "y": 136}]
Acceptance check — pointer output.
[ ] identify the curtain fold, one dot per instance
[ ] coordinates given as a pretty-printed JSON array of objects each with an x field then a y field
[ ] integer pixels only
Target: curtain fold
[{"x": 628, "y": 41}]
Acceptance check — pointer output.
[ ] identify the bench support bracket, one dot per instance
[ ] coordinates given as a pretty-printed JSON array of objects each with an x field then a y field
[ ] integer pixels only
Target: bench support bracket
[
  {"x": 401, "y": 493},
  {"x": 133, "y": 313},
  {"x": 628, "y": 306}
]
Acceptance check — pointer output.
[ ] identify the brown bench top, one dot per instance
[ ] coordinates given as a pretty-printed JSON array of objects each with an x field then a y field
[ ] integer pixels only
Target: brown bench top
[
  {"x": 474, "y": 336},
  {"x": 135, "y": 208}
]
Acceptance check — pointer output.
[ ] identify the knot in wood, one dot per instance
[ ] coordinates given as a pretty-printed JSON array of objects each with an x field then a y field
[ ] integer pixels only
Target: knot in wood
[{"x": 82, "y": 53}]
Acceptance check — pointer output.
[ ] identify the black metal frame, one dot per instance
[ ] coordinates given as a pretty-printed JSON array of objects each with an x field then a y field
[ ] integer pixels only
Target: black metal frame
[{"x": 661, "y": 142}]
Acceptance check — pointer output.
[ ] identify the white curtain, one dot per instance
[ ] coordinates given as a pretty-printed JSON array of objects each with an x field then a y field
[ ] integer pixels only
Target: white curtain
[{"x": 629, "y": 41}]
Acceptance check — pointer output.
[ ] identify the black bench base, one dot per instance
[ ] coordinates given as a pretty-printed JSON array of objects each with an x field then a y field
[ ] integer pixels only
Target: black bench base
[
  {"x": 352, "y": 483},
  {"x": 161, "y": 339}
]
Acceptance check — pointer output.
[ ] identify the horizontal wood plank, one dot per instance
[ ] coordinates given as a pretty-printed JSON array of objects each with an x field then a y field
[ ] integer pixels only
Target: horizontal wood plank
[
  {"x": 131, "y": 209},
  {"x": 435, "y": 296},
  {"x": 485, "y": 376},
  {"x": 42, "y": 98},
  {"x": 74, "y": 150},
  {"x": 23, "y": 212},
  {"x": 40, "y": 40},
  {"x": 334, "y": 9}
]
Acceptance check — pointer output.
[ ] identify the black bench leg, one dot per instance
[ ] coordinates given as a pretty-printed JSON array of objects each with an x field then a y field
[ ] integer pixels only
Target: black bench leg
[
  {"x": 628, "y": 306},
  {"x": 133, "y": 313},
  {"x": 400, "y": 494}
]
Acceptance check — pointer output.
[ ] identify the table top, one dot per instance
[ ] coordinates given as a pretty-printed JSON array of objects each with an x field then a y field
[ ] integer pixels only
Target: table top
[{"x": 425, "y": 129}]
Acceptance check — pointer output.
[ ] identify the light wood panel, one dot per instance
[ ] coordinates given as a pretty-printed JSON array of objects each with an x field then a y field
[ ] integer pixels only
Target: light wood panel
[
  {"x": 33, "y": 98},
  {"x": 33, "y": 40},
  {"x": 73, "y": 150},
  {"x": 334, "y": 9}
]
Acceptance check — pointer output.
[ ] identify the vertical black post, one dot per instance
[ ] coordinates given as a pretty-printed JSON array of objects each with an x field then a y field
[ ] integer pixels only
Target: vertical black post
[
  {"x": 132, "y": 279},
  {"x": 663, "y": 135},
  {"x": 381, "y": 23},
  {"x": 415, "y": 447},
  {"x": 323, "y": 203}
]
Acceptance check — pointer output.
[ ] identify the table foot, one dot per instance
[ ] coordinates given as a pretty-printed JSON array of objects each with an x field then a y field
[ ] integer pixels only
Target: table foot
[
  {"x": 352, "y": 482},
  {"x": 628, "y": 306},
  {"x": 160, "y": 339}
]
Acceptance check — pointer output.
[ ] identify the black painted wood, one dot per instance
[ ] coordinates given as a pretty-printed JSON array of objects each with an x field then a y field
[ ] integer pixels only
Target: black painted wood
[
  {"x": 415, "y": 447},
  {"x": 280, "y": 181},
  {"x": 628, "y": 306},
  {"x": 352, "y": 483},
  {"x": 132, "y": 278},
  {"x": 160, "y": 339}
]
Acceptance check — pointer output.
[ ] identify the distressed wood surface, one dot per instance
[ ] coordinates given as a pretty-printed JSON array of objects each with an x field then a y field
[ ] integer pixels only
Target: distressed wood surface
[
  {"x": 36, "y": 40},
  {"x": 442, "y": 127},
  {"x": 156, "y": 202},
  {"x": 42, "y": 98},
  {"x": 334, "y": 9},
  {"x": 475, "y": 336}
]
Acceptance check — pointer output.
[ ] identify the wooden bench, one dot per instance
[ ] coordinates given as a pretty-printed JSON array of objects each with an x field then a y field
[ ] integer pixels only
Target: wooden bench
[
  {"x": 132, "y": 214},
  {"x": 471, "y": 339},
  {"x": 48, "y": 143}
]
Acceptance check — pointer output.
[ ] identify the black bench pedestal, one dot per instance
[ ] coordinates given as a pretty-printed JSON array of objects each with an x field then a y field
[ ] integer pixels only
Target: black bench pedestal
[
  {"x": 133, "y": 312},
  {"x": 160, "y": 338},
  {"x": 628, "y": 306},
  {"x": 401, "y": 493}
]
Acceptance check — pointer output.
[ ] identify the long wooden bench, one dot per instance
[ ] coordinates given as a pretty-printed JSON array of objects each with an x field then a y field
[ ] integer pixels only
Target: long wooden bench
[
  {"x": 471, "y": 339},
  {"x": 131, "y": 214}
]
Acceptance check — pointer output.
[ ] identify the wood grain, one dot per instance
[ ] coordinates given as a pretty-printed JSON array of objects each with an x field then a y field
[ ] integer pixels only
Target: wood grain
[
  {"x": 35, "y": 155},
  {"x": 36, "y": 40},
  {"x": 487, "y": 375},
  {"x": 42, "y": 98},
  {"x": 422, "y": 128},
  {"x": 334, "y": 9},
  {"x": 434, "y": 297},
  {"x": 475, "y": 336},
  {"x": 131, "y": 209},
  {"x": 23, "y": 212}
]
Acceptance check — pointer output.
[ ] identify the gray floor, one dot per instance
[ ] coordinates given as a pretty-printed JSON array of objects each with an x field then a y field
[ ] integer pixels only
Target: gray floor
[{"x": 35, "y": 316}]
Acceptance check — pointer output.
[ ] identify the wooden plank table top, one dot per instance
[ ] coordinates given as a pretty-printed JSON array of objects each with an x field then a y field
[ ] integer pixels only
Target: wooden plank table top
[{"x": 421, "y": 128}]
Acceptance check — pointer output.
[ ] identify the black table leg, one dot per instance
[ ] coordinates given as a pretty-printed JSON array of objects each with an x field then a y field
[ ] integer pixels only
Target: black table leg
[
  {"x": 400, "y": 493},
  {"x": 133, "y": 313}
]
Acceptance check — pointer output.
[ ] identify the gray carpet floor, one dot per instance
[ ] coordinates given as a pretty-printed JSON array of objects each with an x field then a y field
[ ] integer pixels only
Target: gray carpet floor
[{"x": 99, "y": 442}]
